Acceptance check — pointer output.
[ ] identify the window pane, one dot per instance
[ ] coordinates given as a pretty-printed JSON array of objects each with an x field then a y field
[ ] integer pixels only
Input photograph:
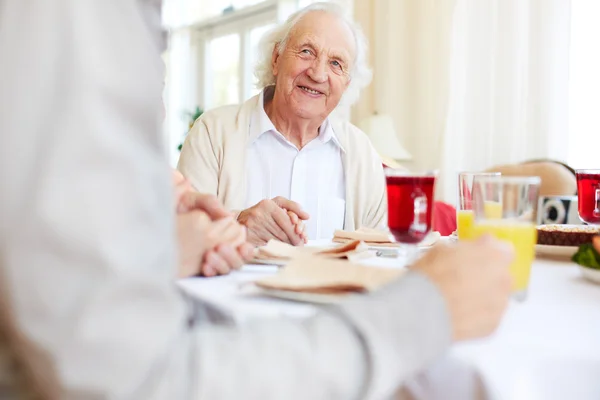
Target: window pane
[
  {"x": 255, "y": 35},
  {"x": 223, "y": 71}
]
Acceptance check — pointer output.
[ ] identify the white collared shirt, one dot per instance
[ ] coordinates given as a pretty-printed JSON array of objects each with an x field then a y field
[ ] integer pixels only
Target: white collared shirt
[{"x": 312, "y": 177}]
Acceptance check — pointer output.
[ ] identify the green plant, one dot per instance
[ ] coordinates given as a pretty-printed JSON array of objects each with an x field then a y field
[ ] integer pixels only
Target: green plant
[
  {"x": 191, "y": 118},
  {"x": 588, "y": 254}
]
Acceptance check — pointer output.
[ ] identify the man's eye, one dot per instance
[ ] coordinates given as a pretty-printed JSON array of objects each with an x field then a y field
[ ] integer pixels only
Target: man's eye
[
  {"x": 305, "y": 51},
  {"x": 336, "y": 64}
]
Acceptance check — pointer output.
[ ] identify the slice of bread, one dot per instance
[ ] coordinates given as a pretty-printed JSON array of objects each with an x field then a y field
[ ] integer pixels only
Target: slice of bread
[{"x": 566, "y": 235}]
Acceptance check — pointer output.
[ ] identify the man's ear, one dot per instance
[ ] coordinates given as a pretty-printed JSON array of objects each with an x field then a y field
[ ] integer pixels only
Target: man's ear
[{"x": 275, "y": 60}]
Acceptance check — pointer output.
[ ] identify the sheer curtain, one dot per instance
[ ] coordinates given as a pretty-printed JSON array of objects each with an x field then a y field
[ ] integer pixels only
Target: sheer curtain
[
  {"x": 410, "y": 54},
  {"x": 584, "y": 89},
  {"x": 508, "y": 95}
]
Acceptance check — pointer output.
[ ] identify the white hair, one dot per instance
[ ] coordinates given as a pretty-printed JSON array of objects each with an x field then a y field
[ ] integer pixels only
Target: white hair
[{"x": 360, "y": 73}]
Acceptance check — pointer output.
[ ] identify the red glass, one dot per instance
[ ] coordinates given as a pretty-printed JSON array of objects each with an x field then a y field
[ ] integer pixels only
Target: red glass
[
  {"x": 410, "y": 206},
  {"x": 588, "y": 189}
]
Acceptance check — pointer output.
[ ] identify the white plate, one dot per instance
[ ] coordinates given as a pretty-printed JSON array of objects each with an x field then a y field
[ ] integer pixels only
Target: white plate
[
  {"x": 303, "y": 297},
  {"x": 562, "y": 252},
  {"x": 590, "y": 274}
]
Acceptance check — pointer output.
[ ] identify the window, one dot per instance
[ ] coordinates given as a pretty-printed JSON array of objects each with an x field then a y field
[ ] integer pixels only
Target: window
[
  {"x": 223, "y": 72},
  {"x": 255, "y": 35},
  {"x": 584, "y": 86}
]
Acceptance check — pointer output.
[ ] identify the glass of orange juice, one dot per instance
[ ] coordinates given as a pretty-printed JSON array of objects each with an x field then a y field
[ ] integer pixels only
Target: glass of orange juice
[
  {"x": 506, "y": 207},
  {"x": 464, "y": 213}
]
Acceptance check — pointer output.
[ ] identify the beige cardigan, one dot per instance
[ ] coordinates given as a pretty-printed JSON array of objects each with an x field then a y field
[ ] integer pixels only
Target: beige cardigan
[{"x": 213, "y": 159}]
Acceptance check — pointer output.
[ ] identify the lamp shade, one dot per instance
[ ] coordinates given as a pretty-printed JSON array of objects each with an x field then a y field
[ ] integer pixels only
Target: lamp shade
[{"x": 380, "y": 129}]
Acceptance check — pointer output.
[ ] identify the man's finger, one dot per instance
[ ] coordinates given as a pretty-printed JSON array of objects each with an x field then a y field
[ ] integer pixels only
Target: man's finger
[
  {"x": 299, "y": 225},
  {"x": 256, "y": 235},
  {"x": 216, "y": 260},
  {"x": 303, "y": 233},
  {"x": 207, "y": 269},
  {"x": 246, "y": 251},
  {"x": 283, "y": 221},
  {"x": 177, "y": 177},
  {"x": 291, "y": 206},
  {"x": 227, "y": 230},
  {"x": 293, "y": 217},
  {"x": 205, "y": 202},
  {"x": 231, "y": 257},
  {"x": 275, "y": 231}
]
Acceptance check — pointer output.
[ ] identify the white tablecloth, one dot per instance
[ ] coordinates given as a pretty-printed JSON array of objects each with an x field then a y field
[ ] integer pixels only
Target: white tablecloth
[{"x": 546, "y": 348}]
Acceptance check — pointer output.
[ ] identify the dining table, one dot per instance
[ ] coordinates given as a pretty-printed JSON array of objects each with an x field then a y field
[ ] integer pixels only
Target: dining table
[{"x": 546, "y": 347}]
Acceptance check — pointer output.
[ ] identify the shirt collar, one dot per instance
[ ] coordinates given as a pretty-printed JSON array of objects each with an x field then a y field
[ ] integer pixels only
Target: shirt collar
[
  {"x": 260, "y": 123},
  {"x": 326, "y": 134}
]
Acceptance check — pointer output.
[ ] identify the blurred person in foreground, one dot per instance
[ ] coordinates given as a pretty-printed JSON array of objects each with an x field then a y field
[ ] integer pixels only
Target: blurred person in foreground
[
  {"x": 88, "y": 248},
  {"x": 281, "y": 149}
]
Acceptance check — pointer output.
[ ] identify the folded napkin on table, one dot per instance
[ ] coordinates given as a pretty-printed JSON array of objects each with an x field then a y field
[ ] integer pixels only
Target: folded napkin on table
[
  {"x": 313, "y": 274},
  {"x": 379, "y": 238},
  {"x": 277, "y": 252},
  {"x": 367, "y": 235}
]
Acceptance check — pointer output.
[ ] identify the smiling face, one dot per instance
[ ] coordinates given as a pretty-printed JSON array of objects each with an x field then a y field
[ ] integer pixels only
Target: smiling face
[{"x": 313, "y": 71}]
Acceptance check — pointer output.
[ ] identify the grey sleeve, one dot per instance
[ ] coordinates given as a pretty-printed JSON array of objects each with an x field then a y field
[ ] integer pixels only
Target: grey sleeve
[
  {"x": 404, "y": 327},
  {"x": 363, "y": 349}
]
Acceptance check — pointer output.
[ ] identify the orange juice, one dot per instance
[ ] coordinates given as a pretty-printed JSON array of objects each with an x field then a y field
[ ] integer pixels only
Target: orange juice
[
  {"x": 492, "y": 210},
  {"x": 464, "y": 222},
  {"x": 522, "y": 236},
  {"x": 464, "y": 218}
]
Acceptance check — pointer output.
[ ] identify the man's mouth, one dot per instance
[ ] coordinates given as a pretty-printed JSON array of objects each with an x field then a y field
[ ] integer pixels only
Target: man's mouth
[{"x": 309, "y": 90}]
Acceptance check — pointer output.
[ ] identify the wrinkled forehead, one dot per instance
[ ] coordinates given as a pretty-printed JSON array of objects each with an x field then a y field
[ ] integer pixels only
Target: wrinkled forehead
[{"x": 327, "y": 31}]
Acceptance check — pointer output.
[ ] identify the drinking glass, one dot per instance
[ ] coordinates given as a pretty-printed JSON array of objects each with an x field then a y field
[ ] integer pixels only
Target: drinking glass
[
  {"x": 410, "y": 206},
  {"x": 464, "y": 213},
  {"x": 588, "y": 192},
  {"x": 506, "y": 207}
]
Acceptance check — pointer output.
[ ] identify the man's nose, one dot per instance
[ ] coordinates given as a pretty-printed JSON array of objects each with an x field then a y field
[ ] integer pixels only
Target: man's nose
[{"x": 318, "y": 70}]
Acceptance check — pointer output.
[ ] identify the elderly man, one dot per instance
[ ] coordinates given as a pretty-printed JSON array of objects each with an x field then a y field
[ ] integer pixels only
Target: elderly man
[{"x": 282, "y": 144}]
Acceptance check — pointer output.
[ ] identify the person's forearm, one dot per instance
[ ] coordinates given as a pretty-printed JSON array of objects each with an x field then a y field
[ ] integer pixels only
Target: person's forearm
[
  {"x": 363, "y": 349},
  {"x": 406, "y": 326},
  {"x": 318, "y": 358}
]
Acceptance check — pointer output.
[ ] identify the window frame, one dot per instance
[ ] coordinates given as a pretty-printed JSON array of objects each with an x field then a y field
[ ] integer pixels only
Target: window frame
[{"x": 240, "y": 22}]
